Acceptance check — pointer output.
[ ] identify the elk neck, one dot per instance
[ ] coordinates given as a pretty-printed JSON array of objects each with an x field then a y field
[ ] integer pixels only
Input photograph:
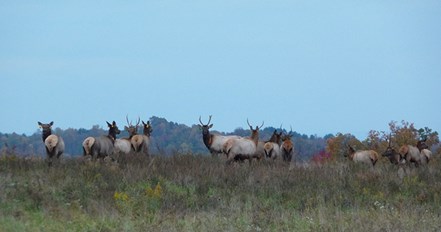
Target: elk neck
[
  {"x": 147, "y": 131},
  {"x": 46, "y": 134},
  {"x": 255, "y": 136},
  {"x": 208, "y": 139},
  {"x": 273, "y": 137},
  {"x": 112, "y": 136}
]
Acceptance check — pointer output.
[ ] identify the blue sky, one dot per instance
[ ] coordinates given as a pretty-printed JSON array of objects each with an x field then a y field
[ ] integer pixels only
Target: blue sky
[{"x": 318, "y": 66}]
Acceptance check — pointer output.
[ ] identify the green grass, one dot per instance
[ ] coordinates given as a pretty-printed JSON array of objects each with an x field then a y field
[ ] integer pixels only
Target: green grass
[{"x": 199, "y": 193}]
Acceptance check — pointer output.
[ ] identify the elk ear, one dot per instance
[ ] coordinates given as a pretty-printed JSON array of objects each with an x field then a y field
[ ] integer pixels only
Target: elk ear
[
  {"x": 108, "y": 124},
  {"x": 114, "y": 123},
  {"x": 40, "y": 124},
  {"x": 52, "y": 123},
  {"x": 126, "y": 128},
  {"x": 210, "y": 126}
]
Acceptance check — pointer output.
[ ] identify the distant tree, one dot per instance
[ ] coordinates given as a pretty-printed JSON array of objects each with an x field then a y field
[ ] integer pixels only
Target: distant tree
[
  {"x": 337, "y": 146},
  {"x": 376, "y": 140},
  {"x": 430, "y": 136},
  {"x": 406, "y": 133}
]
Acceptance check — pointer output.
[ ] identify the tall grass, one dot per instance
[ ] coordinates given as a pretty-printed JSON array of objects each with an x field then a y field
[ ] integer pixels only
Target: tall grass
[{"x": 201, "y": 193}]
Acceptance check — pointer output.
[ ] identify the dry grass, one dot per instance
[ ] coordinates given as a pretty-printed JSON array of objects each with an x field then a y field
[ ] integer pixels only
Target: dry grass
[{"x": 200, "y": 193}]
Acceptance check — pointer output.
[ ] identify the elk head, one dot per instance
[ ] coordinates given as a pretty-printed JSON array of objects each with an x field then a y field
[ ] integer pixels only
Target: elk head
[
  {"x": 421, "y": 145},
  {"x": 287, "y": 136},
  {"x": 47, "y": 129},
  {"x": 351, "y": 151},
  {"x": 131, "y": 128},
  {"x": 275, "y": 137},
  {"x": 147, "y": 128},
  {"x": 393, "y": 156},
  {"x": 254, "y": 132},
  {"x": 205, "y": 127},
  {"x": 113, "y": 130}
]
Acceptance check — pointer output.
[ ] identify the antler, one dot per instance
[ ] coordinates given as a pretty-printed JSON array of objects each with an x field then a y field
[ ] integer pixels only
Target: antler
[
  {"x": 209, "y": 120},
  {"x": 256, "y": 126},
  {"x": 127, "y": 119},
  {"x": 249, "y": 124},
  {"x": 137, "y": 124}
]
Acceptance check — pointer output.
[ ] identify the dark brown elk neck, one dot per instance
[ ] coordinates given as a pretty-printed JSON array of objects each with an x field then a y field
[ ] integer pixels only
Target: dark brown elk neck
[
  {"x": 272, "y": 138},
  {"x": 147, "y": 131},
  {"x": 46, "y": 134},
  {"x": 112, "y": 135},
  {"x": 275, "y": 138},
  {"x": 207, "y": 137}
]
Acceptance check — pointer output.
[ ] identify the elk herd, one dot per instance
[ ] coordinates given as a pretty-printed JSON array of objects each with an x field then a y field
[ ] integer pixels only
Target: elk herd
[
  {"x": 232, "y": 147},
  {"x": 103, "y": 146},
  {"x": 237, "y": 148},
  {"x": 406, "y": 154}
]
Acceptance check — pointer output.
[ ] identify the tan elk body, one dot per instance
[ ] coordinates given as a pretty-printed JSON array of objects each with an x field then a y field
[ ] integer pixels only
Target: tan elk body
[
  {"x": 242, "y": 148},
  {"x": 214, "y": 142},
  {"x": 363, "y": 156},
  {"x": 141, "y": 143}
]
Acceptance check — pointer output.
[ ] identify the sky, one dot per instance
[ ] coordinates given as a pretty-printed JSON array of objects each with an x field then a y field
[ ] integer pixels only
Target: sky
[{"x": 319, "y": 67}]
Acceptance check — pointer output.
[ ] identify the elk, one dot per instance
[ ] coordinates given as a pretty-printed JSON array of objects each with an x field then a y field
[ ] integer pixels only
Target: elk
[
  {"x": 214, "y": 142},
  {"x": 140, "y": 143},
  {"x": 272, "y": 146},
  {"x": 287, "y": 147},
  {"x": 102, "y": 146},
  {"x": 362, "y": 156},
  {"x": 393, "y": 156},
  {"x": 426, "y": 154},
  {"x": 242, "y": 148},
  {"x": 124, "y": 145},
  {"x": 417, "y": 155},
  {"x": 54, "y": 143}
]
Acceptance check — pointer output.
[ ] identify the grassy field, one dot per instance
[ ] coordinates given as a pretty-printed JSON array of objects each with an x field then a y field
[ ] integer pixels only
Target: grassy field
[{"x": 201, "y": 193}]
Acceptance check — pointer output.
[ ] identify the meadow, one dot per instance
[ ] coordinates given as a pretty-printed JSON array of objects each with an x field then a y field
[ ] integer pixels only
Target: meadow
[{"x": 188, "y": 192}]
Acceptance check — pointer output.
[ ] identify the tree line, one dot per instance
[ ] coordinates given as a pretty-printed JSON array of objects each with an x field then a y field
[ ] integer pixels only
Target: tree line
[
  {"x": 403, "y": 133},
  {"x": 170, "y": 138}
]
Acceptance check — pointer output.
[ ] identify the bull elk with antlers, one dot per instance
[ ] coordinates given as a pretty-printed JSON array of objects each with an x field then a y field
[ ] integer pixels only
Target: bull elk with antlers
[
  {"x": 287, "y": 147},
  {"x": 124, "y": 145},
  {"x": 393, "y": 156},
  {"x": 214, "y": 142},
  {"x": 243, "y": 148}
]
